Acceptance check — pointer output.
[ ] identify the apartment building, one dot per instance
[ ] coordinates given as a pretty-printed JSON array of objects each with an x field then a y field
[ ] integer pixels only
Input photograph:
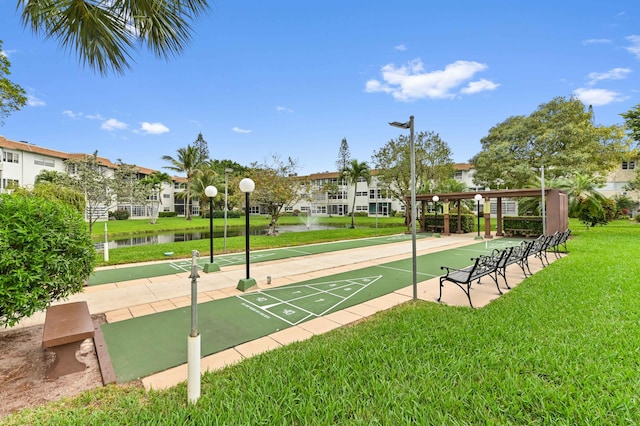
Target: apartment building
[{"x": 23, "y": 161}]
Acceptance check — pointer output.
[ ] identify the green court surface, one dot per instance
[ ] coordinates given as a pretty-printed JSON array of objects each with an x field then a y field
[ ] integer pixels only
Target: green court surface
[
  {"x": 145, "y": 345},
  {"x": 129, "y": 273}
]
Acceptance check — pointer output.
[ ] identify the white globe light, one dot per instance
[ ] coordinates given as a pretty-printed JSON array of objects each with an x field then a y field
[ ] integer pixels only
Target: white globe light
[
  {"x": 435, "y": 198},
  {"x": 247, "y": 185},
  {"x": 478, "y": 197},
  {"x": 211, "y": 191}
]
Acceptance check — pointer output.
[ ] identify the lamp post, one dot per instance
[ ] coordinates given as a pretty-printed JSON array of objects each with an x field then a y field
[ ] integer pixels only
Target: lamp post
[
  {"x": 247, "y": 186},
  {"x": 478, "y": 198},
  {"x": 544, "y": 212},
  {"x": 226, "y": 185},
  {"x": 409, "y": 125},
  {"x": 211, "y": 191},
  {"x": 435, "y": 199}
]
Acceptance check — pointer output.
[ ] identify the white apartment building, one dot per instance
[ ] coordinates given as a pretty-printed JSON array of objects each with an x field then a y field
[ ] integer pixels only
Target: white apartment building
[{"x": 22, "y": 162}]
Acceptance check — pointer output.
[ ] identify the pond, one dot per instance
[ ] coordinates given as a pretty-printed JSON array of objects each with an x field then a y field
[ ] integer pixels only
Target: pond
[{"x": 175, "y": 237}]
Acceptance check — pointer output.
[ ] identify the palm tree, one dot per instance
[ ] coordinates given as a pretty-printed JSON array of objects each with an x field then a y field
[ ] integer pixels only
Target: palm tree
[
  {"x": 201, "y": 180},
  {"x": 585, "y": 202},
  {"x": 189, "y": 161},
  {"x": 104, "y": 34},
  {"x": 354, "y": 172},
  {"x": 154, "y": 182}
]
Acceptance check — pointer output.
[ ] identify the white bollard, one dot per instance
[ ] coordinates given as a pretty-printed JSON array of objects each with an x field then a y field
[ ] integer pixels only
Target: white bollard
[
  {"x": 106, "y": 244},
  {"x": 193, "y": 358}
]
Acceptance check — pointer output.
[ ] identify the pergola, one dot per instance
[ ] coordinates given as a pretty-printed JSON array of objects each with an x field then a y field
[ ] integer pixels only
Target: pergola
[{"x": 556, "y": 216}]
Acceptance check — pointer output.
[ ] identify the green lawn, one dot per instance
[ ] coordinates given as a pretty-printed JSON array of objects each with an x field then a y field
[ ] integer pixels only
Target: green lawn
[{"x": 561, "y": 348}]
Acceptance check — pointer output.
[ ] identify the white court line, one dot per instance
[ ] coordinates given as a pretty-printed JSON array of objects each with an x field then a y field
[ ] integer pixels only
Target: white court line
[{"x": 407, "y": 271}]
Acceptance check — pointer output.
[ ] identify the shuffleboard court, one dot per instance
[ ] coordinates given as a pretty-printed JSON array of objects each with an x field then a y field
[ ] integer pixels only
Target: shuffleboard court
[{"x": 145, "y": 345}]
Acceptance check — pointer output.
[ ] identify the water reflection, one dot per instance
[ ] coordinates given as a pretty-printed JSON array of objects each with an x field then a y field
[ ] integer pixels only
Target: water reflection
[{"x": 175, "y": 237}]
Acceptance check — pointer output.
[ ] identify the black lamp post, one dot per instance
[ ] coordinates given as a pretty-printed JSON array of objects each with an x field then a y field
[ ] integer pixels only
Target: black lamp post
[
  {"x": 409, "y": 125},
  {"x": 211, "y": 191},
  {"x": 478, "y": 198},
  {"x": 247, "y": 186}
]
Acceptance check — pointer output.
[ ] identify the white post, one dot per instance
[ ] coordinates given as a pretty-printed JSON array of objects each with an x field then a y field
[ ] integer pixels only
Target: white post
[
  {"x": 106, "y": 244},
  {"x": 193, "y": 340}
]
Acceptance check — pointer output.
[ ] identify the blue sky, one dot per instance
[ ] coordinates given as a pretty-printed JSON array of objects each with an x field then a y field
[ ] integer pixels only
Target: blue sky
[{"x": 292, "y": 78}]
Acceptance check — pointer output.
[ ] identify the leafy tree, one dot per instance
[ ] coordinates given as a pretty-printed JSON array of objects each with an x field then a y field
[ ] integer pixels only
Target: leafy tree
[
  {"x": 393, "y": 164},
  {"x": 90, "y": 178},
  {"x": 104, "y": 34},
  {"x": 219, "y": 166},
  {"x": 12, "y": 96},
  {"x": 344, "y": 155},
  {"x": 560, "y": 135},
  {"x": 153, "y": 183},
  {"x": 355, "y": 171},
  {"x": 201, "y": 145},
  {"x": 128, "y": 187},
  {"x": 189, "y": 160},
  {"x": 275, "y": 190},
  {"x": 56, "y": 192},
  {"x": 632, "y": 122},
  {"x": 46, "y": 254}
]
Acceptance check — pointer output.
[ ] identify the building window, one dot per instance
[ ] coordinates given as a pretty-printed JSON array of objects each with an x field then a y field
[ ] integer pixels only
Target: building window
[
  {"x": 458, "y": 175},
  {"x": 166, "y": 196},
  {"x": 628, "y": 165},
  {"x": 44, "y": 162},
  {"x": 10, "y": 183},
  {"x": 10, "y": 157}
]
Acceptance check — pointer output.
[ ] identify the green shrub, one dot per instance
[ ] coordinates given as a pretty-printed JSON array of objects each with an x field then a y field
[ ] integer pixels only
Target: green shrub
[
  {"x": 219, "y": 214},
  {"x": 46, "y": 254},
  {"x": 168, "y": 214},
  {"x": 120, "y": 214}
]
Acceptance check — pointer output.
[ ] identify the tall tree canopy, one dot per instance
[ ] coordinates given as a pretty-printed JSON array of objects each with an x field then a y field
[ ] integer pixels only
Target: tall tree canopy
[
  {"x": 434, "y": 164},
  {"x": 344, "y": 155},
  {"x": 104, "y": 34},
  {"x": 560, "y": 136},
  {"x": 12, "y": 96},
  {"x": 632, "y": 122}
]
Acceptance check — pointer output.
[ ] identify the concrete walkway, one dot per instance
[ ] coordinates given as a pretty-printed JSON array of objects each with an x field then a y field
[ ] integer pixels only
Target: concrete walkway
[{"x": 125, "y": 300}]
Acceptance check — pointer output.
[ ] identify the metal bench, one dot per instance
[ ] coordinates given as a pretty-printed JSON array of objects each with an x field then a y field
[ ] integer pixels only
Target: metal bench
[
  {"x": 463, "y": 278},
  {"x": 65, "y": 327}
]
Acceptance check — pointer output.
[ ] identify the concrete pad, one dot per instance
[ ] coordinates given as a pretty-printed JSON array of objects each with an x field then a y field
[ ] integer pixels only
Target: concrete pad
[
  {"x": 167, "y": 378},
  {"x": 118, "y": 315},
  {"x": 220, "y": 360},
  {"x": 162, "y": 305},
  {"x": 388, "y": 301},
  {"x": 290, "y": 335},
  {"x": 363, "y": 310},
  {"x": 343, "y": 317},
  {"x": 258, "y": 346},
  {"x": 319, "y": 325},
  {"x": 141, "y": 310}
]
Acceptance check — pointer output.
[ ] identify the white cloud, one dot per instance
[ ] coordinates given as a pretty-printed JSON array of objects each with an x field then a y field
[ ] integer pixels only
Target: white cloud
[
  {"x": 479, "y": 86},
  {"x": 113, "y": 124},
  {"x": 597, "y": 41},
  {"x": 283, "y": 109},
  {"x": 94, "y": 117},
  {"x": 401, "y": 47},
  {"x": 614, "y": 74},
  {"x": 635, "y": 45},
  {"x": 72, "y": 114},
  {"x": 597, "y": 97},
  {"x": 239, "y": 130},
  {"x": 34, "y": 101},
  {"x": 411, "y": 81},
  {"x": 153, "y": 128}
]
